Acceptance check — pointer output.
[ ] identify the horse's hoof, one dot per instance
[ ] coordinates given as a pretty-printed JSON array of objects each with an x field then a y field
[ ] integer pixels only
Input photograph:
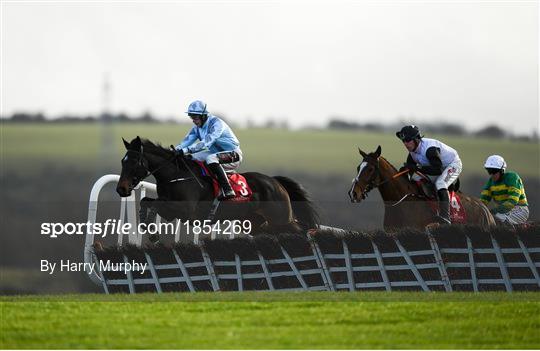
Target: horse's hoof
[
  {"x": 98, "y": 246},
  {"x": 433, "y": 225}
]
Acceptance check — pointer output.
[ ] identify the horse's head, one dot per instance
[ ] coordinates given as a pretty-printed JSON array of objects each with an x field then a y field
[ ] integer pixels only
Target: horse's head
[
  {"x": 367, "y": 177},
  {"x": 134, "y": 167}
]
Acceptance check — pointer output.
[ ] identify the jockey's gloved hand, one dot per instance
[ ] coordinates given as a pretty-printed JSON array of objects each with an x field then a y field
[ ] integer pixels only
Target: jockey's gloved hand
[
  {"x": 178, "y": 153},
  {"x": 412, "y": 167}
]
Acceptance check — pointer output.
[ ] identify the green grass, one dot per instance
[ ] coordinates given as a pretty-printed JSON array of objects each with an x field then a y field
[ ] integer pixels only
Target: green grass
[
  {"x": 322, "y": 152},
  {"x": 273, "y": 321}
]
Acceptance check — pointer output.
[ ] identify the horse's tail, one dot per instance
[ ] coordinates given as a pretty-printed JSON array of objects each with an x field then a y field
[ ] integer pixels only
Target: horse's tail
[{"x": 304, "y": 209}]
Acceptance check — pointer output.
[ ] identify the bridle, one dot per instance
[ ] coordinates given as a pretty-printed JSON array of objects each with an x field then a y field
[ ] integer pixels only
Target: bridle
[
  {"x": 372, "y": 184},
  {"x": 143, "y": 163}
]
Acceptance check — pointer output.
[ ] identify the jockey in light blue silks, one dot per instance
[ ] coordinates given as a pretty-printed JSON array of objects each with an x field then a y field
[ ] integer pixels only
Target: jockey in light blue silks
[{"x": 211, "y": 140}]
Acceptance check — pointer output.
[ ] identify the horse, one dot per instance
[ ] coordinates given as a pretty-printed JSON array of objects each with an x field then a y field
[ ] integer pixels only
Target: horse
[
  {"x": 278, "y": 204},
  {"x": 405, "y": 204}
]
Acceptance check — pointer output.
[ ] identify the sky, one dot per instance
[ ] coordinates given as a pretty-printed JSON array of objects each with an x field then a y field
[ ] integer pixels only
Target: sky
[{"x": 466, "y": 62}]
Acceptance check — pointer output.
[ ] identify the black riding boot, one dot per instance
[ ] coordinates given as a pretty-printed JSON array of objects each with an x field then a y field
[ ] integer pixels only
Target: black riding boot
[
  {"x": 226, "y": 191},
  {"x": 444, "y": 206}
]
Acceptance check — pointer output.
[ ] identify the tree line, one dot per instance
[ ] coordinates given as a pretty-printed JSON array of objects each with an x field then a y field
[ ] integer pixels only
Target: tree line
[{"x": 444, "y": 128}]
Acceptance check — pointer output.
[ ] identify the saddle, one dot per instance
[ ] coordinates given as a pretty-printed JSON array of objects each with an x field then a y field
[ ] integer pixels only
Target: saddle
[
  {"x": 238, "y": 183},
  {"x": 428, "y": 191}
]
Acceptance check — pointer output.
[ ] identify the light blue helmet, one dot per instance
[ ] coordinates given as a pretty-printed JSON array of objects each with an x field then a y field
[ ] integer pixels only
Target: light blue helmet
[{"x": 197, "y": 107}]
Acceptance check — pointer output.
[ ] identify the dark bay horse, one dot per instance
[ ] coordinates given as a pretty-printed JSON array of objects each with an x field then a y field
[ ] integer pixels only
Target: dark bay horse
[
  {"x": 278, "y": 203},
  {"x": 404, "y": 203}
]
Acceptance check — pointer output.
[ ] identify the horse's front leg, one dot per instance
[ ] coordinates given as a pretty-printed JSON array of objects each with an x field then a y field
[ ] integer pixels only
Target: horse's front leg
[
  {"x": 147, "y": 214},
  {"x": 168, "y": 210},
  {"x": 147, "y": 210}
]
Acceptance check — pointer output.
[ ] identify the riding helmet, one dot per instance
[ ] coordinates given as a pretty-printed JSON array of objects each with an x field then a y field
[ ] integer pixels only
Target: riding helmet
[
  {"x": 495, "y": 162},
  {"x": 409, "y": 133},
  {"x": 197, "y": 107}
]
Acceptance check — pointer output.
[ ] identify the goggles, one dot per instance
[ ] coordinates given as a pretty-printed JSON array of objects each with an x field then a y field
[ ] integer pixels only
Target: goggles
[
  {"x": 404, "y": 138},
  {"x": 492, "y": 171}
]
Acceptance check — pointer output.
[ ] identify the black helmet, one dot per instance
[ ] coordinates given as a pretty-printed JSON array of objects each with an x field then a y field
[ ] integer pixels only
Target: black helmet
[{"x": 409, "y": 133}]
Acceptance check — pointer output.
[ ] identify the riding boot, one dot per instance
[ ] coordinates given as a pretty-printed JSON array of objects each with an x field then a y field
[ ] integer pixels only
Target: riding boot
[
  {"x": 226, "y": 190},
  {"x": 444, "y": 206}
]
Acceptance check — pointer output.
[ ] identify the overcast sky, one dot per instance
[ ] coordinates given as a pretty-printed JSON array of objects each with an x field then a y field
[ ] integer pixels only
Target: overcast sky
[{"x": 460, "y": 62}]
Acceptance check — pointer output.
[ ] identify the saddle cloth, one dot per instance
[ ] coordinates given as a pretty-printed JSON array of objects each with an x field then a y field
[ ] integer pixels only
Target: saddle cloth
[
  {"x": 457, "y": 211},
  {"x": 238, "y": 183}
]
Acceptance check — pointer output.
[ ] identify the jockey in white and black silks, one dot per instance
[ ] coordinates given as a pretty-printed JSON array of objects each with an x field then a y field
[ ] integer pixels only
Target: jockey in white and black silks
[
  {"x": 211, "y": 140},
  {"x": 436, "y": 160}
]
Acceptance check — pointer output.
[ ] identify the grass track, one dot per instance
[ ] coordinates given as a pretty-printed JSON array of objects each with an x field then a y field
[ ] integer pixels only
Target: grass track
[
  {"x": 326, "y": 152},
  {"x": 273, "y": 320}
]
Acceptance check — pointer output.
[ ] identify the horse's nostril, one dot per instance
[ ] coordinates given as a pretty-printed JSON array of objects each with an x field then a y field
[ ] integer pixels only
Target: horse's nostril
[{"x": 121, "y": 191}]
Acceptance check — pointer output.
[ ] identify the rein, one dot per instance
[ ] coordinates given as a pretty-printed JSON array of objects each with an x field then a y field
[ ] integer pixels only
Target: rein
[
  {"x": 190, "y": 171},
  {"x": 373, "y": 185},
  {"x": 165, "y": 163},
  {"x": 398, "y": 174}
]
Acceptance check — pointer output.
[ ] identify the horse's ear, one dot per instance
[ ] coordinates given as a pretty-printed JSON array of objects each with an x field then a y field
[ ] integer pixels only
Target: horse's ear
[
  {"x": 378, "y": 151},
  {"x": 126, "y": 144},
  {"x": 137, "y": 143},
  {"x": 362, "y": 153}
]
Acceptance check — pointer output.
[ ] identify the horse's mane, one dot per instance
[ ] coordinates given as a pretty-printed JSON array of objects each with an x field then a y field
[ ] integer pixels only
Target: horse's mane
[
  {"x": 158, "y": 150},
  {"x": 403, "y": 176},
  {"x": 390, "y": 164},
  {"x": 155, "y": 148},
  {"x": 394, "y": 168}
]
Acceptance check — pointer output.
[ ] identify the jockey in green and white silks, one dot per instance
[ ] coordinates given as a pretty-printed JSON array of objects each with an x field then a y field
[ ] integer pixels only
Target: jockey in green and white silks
[
  {"x": 506, "y": 189},
  {"x": 211, "y": 140},
  {"x": 438, "y": 161}
]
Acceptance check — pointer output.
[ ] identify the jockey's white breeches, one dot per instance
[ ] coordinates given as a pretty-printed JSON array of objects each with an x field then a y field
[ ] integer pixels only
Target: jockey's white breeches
[{"x": 447, "y": 177}]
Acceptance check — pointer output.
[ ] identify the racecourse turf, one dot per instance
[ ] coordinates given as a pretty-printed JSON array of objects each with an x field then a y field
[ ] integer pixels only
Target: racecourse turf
[
  {"x": 257, "y": 320},
  {"x": 30, "y": 146}
]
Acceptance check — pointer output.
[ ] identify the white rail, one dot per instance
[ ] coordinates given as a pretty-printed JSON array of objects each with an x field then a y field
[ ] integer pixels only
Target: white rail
[{"x": 128, "y": 214}]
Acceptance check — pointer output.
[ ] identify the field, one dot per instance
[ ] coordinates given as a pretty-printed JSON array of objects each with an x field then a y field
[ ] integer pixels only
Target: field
[
  {"x": 26, "y": 146},
  {"x": 273, "y": 321},
  {"x": 230, "y": 320}
]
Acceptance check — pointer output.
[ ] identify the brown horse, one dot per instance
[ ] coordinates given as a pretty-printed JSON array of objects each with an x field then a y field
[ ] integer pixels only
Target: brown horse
[{"x": 404, "y": 203}]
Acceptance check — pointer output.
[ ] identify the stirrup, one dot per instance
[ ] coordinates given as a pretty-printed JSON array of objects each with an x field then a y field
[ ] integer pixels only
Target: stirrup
[
  {"x": 443, "y": 220},
  {"x": 226, "y": 195}
]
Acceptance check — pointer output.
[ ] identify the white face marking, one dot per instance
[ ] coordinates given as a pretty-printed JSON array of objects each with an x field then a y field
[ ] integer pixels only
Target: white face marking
[
  {"x": 362, "y": 166},
  {"x": 355, "y": 180}
]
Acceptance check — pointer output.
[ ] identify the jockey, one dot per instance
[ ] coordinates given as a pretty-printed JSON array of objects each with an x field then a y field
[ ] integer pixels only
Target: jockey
[
  {"x": 506, "y": 190},
  {"x": 211, "y": 140},
  {"x": 438, "y": 161}
]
